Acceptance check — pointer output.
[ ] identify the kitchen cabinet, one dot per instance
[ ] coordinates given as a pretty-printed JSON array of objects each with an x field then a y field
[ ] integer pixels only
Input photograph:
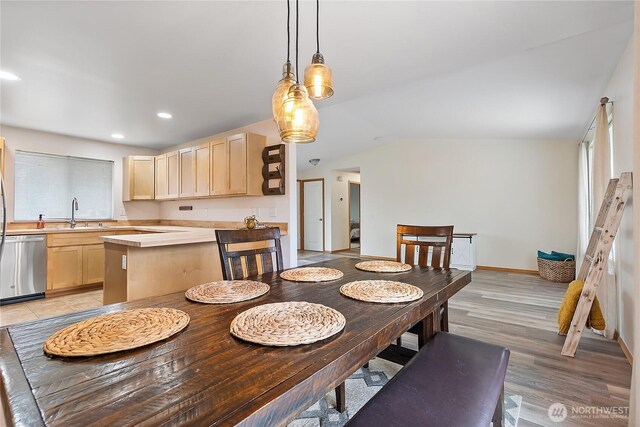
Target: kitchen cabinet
[
  {"x": 64, "y": 267},
  {"x": 161, "y": 185},
  {"x": 138, "y": 181},
  {"x": 187, "y": 181},
  {"x": 201, "y": 159},
  {"x": 236, "y": 165},
  {"x": 92, "y": 264}
]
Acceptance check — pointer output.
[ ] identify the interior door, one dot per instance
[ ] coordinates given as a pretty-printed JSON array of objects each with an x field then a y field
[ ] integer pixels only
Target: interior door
[{"x": 313, "y": 216}]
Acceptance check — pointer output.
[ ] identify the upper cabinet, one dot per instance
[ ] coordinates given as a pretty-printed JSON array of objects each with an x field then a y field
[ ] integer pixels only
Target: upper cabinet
[
  {"x": 138, "y": 181},
  {"x": 223, "y": 167},
  {"x": 167, "y": 178},
  {"x": 236, "y": 165}
]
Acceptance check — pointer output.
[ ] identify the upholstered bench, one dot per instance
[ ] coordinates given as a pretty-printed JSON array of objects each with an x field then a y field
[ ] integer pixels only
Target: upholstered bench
[{"x": 452, "y": 381}]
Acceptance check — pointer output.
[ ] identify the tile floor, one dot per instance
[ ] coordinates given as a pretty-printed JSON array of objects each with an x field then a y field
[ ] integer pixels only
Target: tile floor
[{"x": 48, "y": 307}]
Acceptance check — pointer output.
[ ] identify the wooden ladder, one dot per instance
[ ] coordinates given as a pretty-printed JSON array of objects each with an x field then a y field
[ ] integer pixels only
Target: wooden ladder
[{"x": 597, "y": 254}]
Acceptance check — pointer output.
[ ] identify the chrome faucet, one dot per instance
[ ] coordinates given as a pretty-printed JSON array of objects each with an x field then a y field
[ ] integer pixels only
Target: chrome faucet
[{"x": 74, "y": 208}]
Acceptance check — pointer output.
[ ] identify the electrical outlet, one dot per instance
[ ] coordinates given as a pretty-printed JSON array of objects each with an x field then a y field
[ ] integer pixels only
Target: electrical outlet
[{"x": 124, "y": 262}]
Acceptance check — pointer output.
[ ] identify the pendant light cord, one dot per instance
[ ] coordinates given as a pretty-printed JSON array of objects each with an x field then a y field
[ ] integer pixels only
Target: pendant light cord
[
  {"x": 317, "y": 26},
  {"x": 297, "y": 22},
  {"x": 288, "y": 32}
]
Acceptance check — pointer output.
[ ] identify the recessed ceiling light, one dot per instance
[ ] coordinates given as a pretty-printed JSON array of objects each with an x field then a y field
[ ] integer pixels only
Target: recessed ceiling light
[
  {"x": 117, "y": 136},
  {"x": 164, "y": 115},
  {"x": 5, "y": 75}
]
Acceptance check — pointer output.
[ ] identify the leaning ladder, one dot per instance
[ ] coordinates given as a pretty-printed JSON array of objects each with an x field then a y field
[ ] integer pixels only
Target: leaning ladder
[{"x": 595, "y": 259}]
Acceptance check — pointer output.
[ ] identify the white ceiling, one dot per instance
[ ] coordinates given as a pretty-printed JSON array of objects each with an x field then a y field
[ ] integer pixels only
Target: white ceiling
[{"x": 402, "y": 69}]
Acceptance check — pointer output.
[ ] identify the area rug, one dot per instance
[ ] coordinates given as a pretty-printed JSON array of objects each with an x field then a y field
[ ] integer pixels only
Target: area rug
[{"x": 361, "y": 386}]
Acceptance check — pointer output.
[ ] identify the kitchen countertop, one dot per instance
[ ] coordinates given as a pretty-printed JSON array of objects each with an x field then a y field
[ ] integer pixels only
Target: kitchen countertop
[{"x": 162, "y": 235}]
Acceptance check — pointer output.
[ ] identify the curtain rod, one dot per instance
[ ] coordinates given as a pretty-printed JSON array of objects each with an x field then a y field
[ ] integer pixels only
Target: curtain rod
[{"x": 603, "y": 101}]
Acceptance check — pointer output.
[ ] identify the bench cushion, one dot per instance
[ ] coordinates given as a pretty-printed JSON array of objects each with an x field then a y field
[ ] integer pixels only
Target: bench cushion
[{"x": 452, "y": 381}]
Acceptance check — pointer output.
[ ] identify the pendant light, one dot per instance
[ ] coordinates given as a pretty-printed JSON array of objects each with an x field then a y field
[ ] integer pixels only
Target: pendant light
[
  {"x": 297, "y": 119},
  {"x": 317, "y": 76},
  {"x": 288, "y": 77}
]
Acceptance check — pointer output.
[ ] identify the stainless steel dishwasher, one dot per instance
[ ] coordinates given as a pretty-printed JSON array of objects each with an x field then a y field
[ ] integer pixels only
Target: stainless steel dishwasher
[{"x": 23, "y": 268}]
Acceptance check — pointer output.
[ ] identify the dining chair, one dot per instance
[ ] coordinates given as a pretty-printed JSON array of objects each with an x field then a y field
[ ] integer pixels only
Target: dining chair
[
  {"x": 245, "y": 253},
  {"x": 431, "y": 247}
]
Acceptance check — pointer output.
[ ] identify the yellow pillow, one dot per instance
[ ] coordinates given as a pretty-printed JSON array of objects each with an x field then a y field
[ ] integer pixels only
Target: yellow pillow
[{"x": 568, "y": 307}]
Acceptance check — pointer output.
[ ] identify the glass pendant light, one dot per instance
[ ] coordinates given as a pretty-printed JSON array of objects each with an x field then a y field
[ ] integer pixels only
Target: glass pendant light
[
  {"x": 297, "y": 119},
  {"x": 288, "y": 76},
  {"x": 317, "y": 76}
]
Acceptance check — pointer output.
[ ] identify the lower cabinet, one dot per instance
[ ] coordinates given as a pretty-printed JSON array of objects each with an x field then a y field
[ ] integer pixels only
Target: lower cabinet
[
  {"x": 463, "y": 252},
  {"x": 92, "y": 264},
  {"x": 64, "y": 267}
]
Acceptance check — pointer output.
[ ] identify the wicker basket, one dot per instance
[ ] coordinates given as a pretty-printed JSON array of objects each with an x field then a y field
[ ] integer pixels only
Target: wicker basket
[{"x": 557, "y": 271}]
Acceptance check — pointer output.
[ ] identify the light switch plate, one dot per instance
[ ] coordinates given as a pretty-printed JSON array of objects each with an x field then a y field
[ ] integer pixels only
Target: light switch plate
[{"x": 124, "y": 262}]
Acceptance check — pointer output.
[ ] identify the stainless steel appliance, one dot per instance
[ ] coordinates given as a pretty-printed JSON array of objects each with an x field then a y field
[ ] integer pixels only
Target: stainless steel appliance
[{"x": 23, "y": 268}]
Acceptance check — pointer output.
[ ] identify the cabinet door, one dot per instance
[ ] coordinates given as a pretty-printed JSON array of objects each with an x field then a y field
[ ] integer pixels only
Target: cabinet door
[
  {"x": 219, "y": 169},
  {"x": 187, "y": 182},
  {"x": 201, "y": 173},
  {"x": 64, "y": 267},
  {"x": 92, "y": 264},
  {"x": 461, "y": 253},
  {"x": 173, "y": 175},
  {"x": 142, "y": 177},
  {"x": 161, "y": 177},
  {"x": 237, "y": 147}
]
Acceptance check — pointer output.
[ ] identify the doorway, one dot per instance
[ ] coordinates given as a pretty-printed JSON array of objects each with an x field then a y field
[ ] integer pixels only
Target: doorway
[
  {"x": 311, "y": 208},
  {"x": 354, "y": 215}
]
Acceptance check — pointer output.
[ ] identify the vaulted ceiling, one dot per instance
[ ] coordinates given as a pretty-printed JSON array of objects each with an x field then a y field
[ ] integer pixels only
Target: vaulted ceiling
[{"x": 402, "y": 69}]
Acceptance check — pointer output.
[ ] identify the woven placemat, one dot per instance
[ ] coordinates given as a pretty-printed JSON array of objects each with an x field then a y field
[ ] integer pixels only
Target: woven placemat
[
  {"x": 227, "y": 291},
  {"x": 382, "y": 291},
  {"x": 119, "y": 331},
  {"x": 383, "y": 266},
  {"x": 311, "y": 274},
  {"x": 287, "y": 323}
]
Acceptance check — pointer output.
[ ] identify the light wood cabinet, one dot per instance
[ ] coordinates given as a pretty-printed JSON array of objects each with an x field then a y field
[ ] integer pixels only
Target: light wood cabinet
[
  {"x": 64, "y": 267},
  {"x": 162, "y": 190},
  {"x": 92, "y": 264},
  {"x": 201, "y": 170},
  {"x": 138, "y": 181},
  {"x": 219, "y": 172},
  {"x": 187, "y": 181},
  {"x": 236, "y": 165}
]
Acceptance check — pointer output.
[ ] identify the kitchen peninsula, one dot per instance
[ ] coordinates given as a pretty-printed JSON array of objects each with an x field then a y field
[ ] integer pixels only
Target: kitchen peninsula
[{"x": 173, "y": 259}]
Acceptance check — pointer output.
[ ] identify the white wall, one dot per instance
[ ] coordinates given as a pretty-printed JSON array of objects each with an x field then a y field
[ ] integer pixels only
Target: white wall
[
  {"x": 237, "y": 208},
  {"x": 518, "y": 195},
  {"x": 340, "y": 208},
  {"x": 51, "y": 143},
  {"x": 620, "y": 91}
]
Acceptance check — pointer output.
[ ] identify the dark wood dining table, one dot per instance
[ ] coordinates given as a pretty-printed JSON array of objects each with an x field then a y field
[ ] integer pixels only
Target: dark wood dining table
[{"x": 203, "y": 375}]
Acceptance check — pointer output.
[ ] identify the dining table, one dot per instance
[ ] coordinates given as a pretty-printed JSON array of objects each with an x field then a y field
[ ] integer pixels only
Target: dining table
[{"x": 203, "y": 375}]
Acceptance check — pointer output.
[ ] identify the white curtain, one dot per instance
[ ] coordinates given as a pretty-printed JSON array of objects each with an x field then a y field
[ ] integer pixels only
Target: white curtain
[
  {"x": 584, "y": 208},
  {"x": 607, "y": 291}
]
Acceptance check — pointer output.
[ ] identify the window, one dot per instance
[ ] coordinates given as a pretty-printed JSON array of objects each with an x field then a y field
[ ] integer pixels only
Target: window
[{"x": 46, "y": 184}]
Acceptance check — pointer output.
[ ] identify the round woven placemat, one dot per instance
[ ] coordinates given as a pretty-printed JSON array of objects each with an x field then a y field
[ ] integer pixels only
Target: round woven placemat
[
  {"x": 287, "y": 323},
  {"x": 383, "y": 266},
  {"x": 119, "y": 331},
  {"x": 311, "y": 274},
  {"x": 227, "y": 291},
  {"x": 382, "y": 291}
]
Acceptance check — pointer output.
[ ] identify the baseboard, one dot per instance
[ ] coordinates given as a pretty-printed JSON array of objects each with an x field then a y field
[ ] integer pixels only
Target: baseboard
[
  {"x": 338, "y": 251},
  {"x": 52, "y": 293},
  {"x": 507, "y": 270},
  {"x": 623, "y": 346}
]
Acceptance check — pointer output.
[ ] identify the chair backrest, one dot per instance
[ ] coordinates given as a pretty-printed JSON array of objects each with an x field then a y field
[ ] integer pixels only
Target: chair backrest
[
  {"x": 245, "y": 253},
  {"x": 433, "y": 245}
]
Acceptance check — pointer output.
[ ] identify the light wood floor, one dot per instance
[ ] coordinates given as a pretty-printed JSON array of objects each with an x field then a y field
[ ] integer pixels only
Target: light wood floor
[{"x": 518, "y": 311}]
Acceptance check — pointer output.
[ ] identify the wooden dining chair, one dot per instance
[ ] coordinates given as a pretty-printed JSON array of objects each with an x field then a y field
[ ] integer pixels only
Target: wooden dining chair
[
  {"x": 245, "y": 253},
  {"x": 431, "y": 247}
]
